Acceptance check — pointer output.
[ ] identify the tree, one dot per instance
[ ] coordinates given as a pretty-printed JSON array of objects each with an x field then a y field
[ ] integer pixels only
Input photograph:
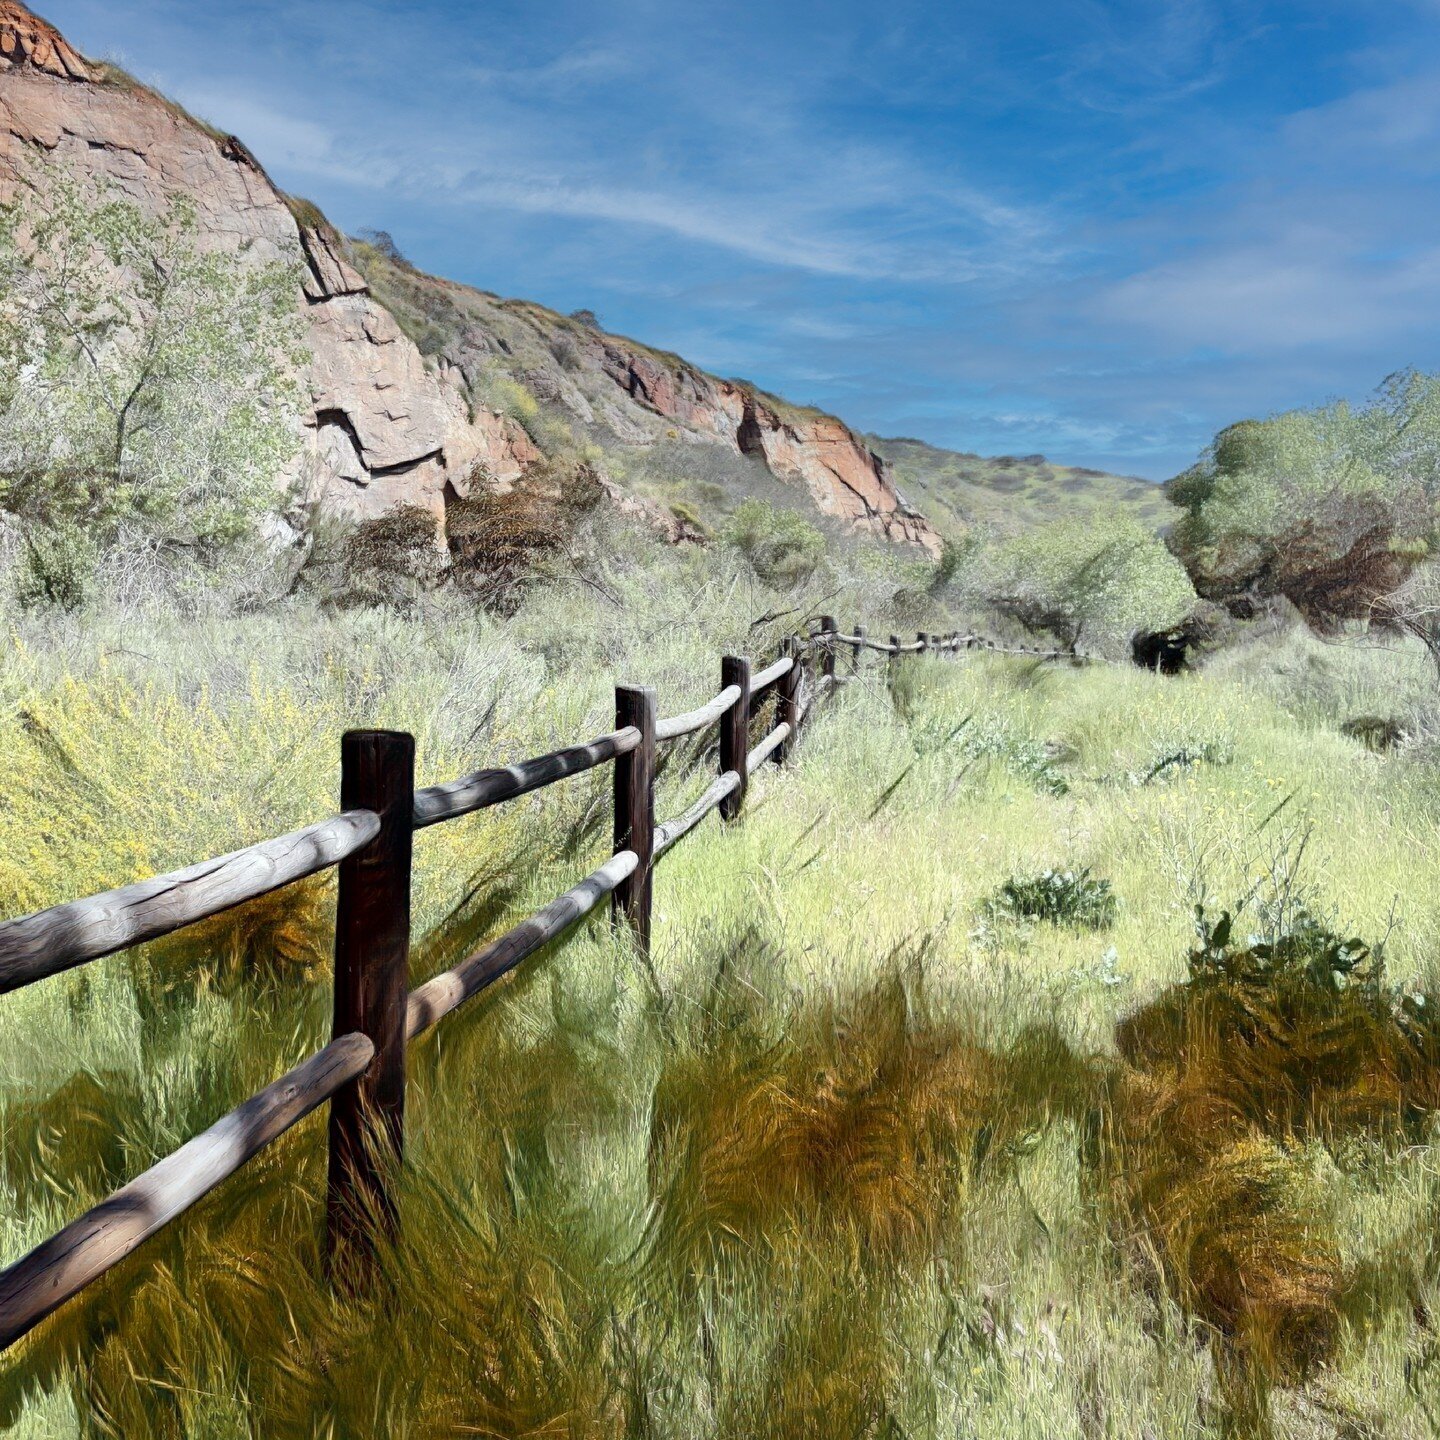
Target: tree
[
  {"x": 1099, "y": 581},
  {"x": 1332, "y": 508},
  {"x": 148, "y": 387}
]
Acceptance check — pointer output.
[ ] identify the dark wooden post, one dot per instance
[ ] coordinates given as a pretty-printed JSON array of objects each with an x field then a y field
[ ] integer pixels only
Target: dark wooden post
[
  {"x": 372, "y": 960},
  {"x": 859, "y": 648},
  {"x": 787, "y": 710},
  {"x": 828, "y": 631},
  {"x": 635, "y": 810},
  {"x": 924, "y": 640},
  {"x": 735, "y": 732},
  {"x": 895, "y": 656}
]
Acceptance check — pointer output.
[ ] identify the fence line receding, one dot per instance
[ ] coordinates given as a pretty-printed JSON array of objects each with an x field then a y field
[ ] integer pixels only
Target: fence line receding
[{"x": 361, "y": 1072}]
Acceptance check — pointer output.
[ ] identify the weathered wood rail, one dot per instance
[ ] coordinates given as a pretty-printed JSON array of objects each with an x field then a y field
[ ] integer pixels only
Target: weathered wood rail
[{"x": 361, "y": 1072}]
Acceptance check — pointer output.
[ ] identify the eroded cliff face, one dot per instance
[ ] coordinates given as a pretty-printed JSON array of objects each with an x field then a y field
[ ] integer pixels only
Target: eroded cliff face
[
  {"x": 388, "y": 425},
  {"x": 844, "y": 478}
]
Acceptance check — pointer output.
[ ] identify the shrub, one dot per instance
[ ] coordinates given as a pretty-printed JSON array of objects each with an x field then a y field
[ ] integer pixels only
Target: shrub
[
  {"x": 501, "y": 542},
  {"x": 1374, "y": 732},
  {"x": 1061, "y": 897},
  {"x": 782, "y": 547},
  {"x": 56, "y": 568},
  {"x": 393, "y": 558},
  {"x": 505, "y": 395},
  {"x": 566, "y": 352}
]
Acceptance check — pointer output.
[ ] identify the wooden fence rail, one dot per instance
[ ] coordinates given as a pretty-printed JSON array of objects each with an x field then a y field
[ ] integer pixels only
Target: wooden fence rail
[{"x": 361, "y": 1072}]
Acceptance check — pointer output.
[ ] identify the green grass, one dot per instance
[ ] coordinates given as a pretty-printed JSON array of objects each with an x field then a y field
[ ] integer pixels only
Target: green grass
[{"x": 854, "y": 1155}]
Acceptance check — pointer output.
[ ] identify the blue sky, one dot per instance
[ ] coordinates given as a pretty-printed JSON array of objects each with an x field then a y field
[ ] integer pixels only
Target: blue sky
[{"x": 1100, "y": 229}]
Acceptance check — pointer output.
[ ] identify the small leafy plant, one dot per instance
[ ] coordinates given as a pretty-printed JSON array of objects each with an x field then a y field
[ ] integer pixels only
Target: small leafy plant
[
  {"x": 1306, "y": 950},
  {"x": 1061, "y": 897},
  {"x": 1170, "y": 759}
]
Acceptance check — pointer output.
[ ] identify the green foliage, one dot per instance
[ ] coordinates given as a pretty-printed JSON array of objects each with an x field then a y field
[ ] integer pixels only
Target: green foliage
[
  {"x": 1060, "y": 897},
  {"x": 783, "y": 548},
  {"x": 1305, "y": 950},
  {"x": 1100, "y": 581},
  {"x": 1331, "y": 508},
  {"x": 56, "y": 568},
  {"x": 147, "y": 384},
  {"x": 502, "y": 393}
]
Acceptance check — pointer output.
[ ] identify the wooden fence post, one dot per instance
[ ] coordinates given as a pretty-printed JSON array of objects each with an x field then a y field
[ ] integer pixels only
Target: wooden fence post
[
  {"x": 828, "y": 631},
  {"x": 372, "y": 959},
  {"x": 859, "y": 648},
  {"x": 735, "y": 732},
  {"x": 894, "y": 652},
  {"x": 924, "y": 640},
  {"x": 635, "y": 810},
  {"x": 787, "y": 709}
]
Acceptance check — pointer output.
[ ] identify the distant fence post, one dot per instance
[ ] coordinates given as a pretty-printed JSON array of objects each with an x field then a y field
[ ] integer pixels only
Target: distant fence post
[
  {"x": 635, "y": 810},
  {"x": 828, "y": 631},
  {"x": 735, "y": 732},
  {"x": 894, "y": 652},
  {"x": 924, "y": 640},
  {"x": 787, "y": 711},
  {"x": 859, "y": 649},
  {"x": 372, "y": 959}
]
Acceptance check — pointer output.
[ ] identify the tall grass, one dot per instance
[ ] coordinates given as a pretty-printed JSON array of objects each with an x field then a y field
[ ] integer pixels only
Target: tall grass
[{"x": 857, "y": 1153}]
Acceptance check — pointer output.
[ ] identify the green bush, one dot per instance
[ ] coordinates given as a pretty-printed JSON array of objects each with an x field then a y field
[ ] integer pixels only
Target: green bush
[
  {"x": 1099, "y": 581},
  {"x": 1331, "y": 508},
  {"x": 1061, "y": 897},
  {"x": 782, "y": 547},
  {"x": 149, "y": 388},
  {"x": 56, "y": 568}
]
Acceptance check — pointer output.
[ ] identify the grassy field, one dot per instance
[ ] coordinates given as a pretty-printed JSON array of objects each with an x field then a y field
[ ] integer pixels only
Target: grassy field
[{"x": 867, "y": 1150}]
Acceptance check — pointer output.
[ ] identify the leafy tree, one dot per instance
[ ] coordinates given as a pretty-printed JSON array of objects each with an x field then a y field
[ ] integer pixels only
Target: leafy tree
[
  {"x": 148, "y": 387},
  {"x": 1099, "y": 581},
  {"x": 1332, "y": 508}
]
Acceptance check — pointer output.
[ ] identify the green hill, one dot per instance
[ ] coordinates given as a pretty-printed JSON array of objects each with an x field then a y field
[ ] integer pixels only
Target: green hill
[{"x": 956, "y": 490}]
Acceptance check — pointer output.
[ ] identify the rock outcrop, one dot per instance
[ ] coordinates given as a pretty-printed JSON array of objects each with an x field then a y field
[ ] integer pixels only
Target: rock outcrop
[
  {"x": 390, "y": 425},
  {"x": 25, "y": 39}
]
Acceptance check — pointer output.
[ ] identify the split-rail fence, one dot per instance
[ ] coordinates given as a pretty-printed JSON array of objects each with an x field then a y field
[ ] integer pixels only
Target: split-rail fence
[{"x": 361, "y": 1072}]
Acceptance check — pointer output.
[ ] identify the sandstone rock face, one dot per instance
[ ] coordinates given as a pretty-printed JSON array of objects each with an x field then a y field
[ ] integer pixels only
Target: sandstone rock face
[
  {"x": 25, "y": 39},
  {"x": 387, "y": 425},
  {"x": 844, "y": 477}
]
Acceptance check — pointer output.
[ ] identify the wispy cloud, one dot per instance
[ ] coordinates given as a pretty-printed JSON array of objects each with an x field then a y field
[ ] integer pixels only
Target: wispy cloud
[{"x": 1102, "y": 228}]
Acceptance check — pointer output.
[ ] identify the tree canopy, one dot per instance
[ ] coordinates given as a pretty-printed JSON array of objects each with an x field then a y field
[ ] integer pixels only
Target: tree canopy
[
  {"x": 1098, "y": 581},
  {"x": 1332, "y": 508}
]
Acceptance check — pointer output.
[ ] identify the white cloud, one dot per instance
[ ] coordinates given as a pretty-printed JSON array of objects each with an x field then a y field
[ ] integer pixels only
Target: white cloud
[{"x": 1278, "y": 298}]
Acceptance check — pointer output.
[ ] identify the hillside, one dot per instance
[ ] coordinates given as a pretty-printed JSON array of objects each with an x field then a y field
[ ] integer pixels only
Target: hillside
[
  {"x": 465, "y": 388},
  {"x": 1008, "y": 492},
  {"x": 685, "y": 445}
]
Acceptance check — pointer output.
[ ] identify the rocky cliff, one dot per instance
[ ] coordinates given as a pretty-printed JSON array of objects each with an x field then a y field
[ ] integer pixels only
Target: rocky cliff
[{"x": 419, "y": 386}]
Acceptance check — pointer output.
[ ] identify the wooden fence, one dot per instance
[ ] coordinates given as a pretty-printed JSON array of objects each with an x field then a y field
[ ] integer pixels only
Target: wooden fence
[{"x": 361, "y": 1072}]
